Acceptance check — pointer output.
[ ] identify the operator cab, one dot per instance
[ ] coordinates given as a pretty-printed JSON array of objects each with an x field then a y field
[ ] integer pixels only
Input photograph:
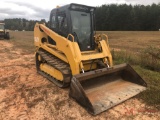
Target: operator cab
[{"x": 77, "y": 20}]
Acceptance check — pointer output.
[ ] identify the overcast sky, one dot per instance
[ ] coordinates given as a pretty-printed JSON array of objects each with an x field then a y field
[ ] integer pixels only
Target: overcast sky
[{"x": 40, "y": 9}]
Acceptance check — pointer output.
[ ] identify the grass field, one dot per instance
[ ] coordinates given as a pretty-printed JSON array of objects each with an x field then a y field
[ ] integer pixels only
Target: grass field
[
  {"x": 135, "y": 48},
  {"x": 23, "y": 40}
]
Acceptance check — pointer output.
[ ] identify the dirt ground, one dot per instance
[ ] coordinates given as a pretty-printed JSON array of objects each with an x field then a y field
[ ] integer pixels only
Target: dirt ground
[{"x": 26, "y": 95}]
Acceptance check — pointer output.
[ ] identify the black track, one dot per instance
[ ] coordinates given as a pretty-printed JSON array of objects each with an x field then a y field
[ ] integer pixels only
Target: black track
[{"x": 55, "y": 63}]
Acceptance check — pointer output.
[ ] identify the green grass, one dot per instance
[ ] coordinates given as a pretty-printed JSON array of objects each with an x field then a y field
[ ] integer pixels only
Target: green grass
[
  {"x": 152, "y": 95},
  {"x": 152, "y": 58},
  {"x": 149, "y": 58}
]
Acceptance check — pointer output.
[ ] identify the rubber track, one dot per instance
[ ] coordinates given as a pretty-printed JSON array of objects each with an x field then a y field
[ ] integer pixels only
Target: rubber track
[{"x": 58, "y": 64}]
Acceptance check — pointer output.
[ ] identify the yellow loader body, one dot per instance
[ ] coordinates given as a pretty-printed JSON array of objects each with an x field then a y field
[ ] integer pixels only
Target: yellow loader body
[
  {"x": 97, "y": 89},
  {"x": 94, "y": 82}
]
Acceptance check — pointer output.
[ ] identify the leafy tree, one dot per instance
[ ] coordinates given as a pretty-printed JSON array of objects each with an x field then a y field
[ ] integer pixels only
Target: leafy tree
[
  {"x": 128, "y": 17},
  {"x": 21, "y": 24}
]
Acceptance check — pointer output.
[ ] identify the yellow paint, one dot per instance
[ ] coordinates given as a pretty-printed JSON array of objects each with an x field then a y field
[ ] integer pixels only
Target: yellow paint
[
  {"x": 39, "y": 58},
  {"x": 51, "y": 71},
  {"x": 69, "y": 51},
  {"x": 88, "y": 66}
]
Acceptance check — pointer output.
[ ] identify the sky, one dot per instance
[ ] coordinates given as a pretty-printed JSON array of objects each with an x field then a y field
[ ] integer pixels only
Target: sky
[{"x": 40, "y": 9}]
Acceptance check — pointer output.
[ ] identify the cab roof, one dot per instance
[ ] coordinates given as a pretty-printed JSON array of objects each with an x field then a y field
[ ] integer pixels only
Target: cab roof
[{"x": 73, "y": 6}]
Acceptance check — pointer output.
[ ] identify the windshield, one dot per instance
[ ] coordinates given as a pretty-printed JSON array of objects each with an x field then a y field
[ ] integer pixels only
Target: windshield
[
  {"x": 81, "y": 25},
  {"x": 1, "y": 26}
]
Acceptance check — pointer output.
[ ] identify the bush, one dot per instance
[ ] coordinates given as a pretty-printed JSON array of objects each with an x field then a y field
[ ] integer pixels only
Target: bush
[
  {"x": 149, "y": 58},
  {"x": 122, "y": 56}
]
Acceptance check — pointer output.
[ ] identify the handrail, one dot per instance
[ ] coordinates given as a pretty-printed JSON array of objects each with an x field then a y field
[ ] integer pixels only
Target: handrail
[
  {"x": 106, "y": 39},
  {"x": 72, "y": 41},
  {"x": 71, "y": 36}
]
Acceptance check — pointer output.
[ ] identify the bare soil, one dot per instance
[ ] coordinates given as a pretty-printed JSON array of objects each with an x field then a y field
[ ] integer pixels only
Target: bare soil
[{"x": 25, "y": 95}]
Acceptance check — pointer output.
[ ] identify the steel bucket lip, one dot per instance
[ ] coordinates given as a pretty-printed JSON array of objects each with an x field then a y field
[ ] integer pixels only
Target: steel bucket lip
[
  {"x": 110, "y": 70},
  {"x": 77, "y": 81},
  {"x": 90, "y": 106},
  {"x": 105, "y": 71}
]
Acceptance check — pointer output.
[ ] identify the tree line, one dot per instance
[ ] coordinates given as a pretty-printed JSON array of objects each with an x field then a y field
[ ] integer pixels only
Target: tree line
[
  {"x": 21, "y": 24},
  {"x": 109, "y": 17},
  {"x": 128, "y": 17}
]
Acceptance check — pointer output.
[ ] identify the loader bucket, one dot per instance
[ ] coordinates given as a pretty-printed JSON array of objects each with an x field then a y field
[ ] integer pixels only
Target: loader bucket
[{"x": 104, "y": 88}]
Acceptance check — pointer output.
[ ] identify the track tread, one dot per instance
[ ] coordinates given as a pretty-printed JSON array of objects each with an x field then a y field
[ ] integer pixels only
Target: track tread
[{"x": 57, "y": 64}]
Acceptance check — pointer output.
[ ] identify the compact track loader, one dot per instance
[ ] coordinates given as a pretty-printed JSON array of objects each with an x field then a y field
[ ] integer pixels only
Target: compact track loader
[
  {"x": 3, "y": 33},
  {"x": 68, "y": 52}
]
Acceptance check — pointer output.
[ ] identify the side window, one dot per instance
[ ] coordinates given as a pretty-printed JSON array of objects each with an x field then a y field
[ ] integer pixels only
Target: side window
[
  {"x": 62, "y": 22},
  {"x": 53, "y": 25},
  {"x": 60, "y": 19},
  {"x": 65, "y": 23}
]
